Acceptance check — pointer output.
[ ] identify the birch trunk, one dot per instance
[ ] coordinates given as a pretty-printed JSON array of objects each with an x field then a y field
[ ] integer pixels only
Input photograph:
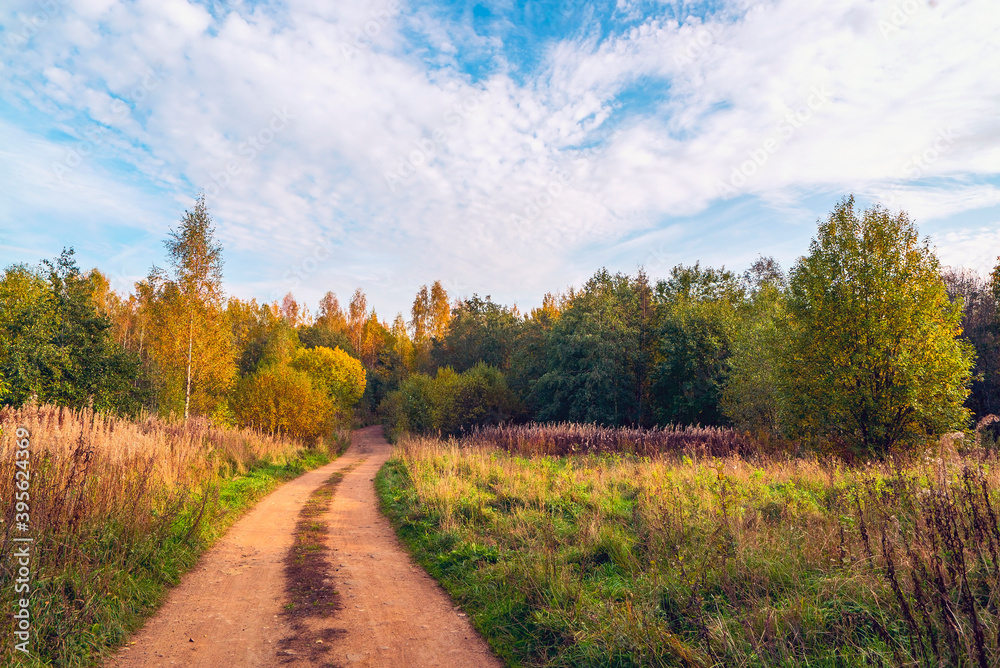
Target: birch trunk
[{"x": 187, "y": 390}]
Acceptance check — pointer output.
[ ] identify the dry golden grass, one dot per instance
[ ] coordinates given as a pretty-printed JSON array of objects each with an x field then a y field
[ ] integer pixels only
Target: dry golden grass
[
  {"x": 118, "y": 509},
  {"x": 88, "y": 467}
]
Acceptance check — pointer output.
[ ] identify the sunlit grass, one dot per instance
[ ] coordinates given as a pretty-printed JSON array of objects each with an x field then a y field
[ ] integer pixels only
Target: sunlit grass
[
  {"x": 119, "y": 511},
  {"x": 685, "y": 559}
]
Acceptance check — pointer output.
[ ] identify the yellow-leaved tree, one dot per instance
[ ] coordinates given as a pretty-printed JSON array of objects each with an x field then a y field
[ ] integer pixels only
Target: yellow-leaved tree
[
  {"x": 190, "y": 342},
  {"x": 874, "y": 357},
  {"x": 440, "y": 311},
  {"x": 339, "y": 375},
  {"x": 280, "y": 399}
]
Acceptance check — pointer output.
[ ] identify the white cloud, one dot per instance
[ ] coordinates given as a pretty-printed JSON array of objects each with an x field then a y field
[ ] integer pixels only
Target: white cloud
[
  {"x": 361, "y": 106},
  {"x": 973, "y": 248},
  {"x": 939, "y": 201}
]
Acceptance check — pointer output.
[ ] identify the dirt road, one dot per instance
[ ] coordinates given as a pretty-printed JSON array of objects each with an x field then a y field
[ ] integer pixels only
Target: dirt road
[{"x": 228, "y": 610}]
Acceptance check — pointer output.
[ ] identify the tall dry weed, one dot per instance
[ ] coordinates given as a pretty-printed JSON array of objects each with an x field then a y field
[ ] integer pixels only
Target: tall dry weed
[{"x": 106, "y": 495}]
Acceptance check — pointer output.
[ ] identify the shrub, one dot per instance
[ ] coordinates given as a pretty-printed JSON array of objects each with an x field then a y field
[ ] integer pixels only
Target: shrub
[
  {"x": 279, "y": 399},
  {"x": 568, "y": 438},
  {"x": 341, "y": 376},
  {"x": 449, "y": 403}
]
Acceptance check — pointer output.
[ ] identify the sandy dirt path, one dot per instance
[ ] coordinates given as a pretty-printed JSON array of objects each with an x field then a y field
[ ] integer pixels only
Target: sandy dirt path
[{"x": 227, "y": 611}]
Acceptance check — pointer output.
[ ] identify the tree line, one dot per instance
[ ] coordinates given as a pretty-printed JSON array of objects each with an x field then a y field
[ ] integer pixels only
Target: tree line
[
  {"x": 866, "y": 343},
  {"x": 175, "y": 346}
]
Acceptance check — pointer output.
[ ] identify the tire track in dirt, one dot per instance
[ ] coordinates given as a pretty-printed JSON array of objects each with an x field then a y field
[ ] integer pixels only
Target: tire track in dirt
[
  {"x": 311, "y": 591},
  {"x": 228, "y": 610},
  {"x": 393, "y": 614}
]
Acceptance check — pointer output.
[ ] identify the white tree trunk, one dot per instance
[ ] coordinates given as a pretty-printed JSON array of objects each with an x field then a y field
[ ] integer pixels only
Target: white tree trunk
[{"x": 187, "y": 391}]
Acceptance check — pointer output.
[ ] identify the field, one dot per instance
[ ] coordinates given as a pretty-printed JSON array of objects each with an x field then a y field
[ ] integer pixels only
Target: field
[
  {"x": 118, "y": 511},
  {"x": 683, "y": 557}
]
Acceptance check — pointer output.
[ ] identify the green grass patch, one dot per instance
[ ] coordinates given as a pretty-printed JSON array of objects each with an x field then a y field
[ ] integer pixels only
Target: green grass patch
[{"x": 628, "y": 561}]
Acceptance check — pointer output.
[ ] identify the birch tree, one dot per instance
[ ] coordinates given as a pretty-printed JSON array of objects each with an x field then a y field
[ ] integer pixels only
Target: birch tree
[{"x": 193, "y": 343}]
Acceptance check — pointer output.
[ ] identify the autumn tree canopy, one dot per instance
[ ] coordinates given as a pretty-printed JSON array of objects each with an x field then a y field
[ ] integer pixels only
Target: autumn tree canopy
[
  {"x": 867, "y": 343},
  {"x": 192, "y": 344},
  {"x": 874, "y": 357}
]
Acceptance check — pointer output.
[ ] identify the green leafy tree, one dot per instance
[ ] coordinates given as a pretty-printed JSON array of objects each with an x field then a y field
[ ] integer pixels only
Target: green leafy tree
[
  {"x": 597, "y": 354},
  {"x": 449, "y": 403},
  {"x": 874, "y": 359},
  {"x": 399, "y": 351},
  {"x": 528, "y": 362},
  {"x": 29, "y": 318},
  {"x": 410, "y": 407},
  {"x": 57, "y": 345},
  {"x": 752, "y": 399},
  {"x": 995, "y": 284},
  {"x": 697, "y": 316},
  {"x": 252, "y": 326},
  {"x": 480, "y": 330},
  {"x": 994, "y": 380},
  {"x": 482, "y": 397},
  {"x": 981, "y": 328},
  {"x": 314, "y": 336}
]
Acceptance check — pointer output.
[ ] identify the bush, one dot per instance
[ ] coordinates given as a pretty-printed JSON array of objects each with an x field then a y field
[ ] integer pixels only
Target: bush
[
  {"x": 481, "y": 397},
  {"x": 282, "y": 400},
  {"x": 338, "y": 374},
  {"x": 449, "y": 403}
]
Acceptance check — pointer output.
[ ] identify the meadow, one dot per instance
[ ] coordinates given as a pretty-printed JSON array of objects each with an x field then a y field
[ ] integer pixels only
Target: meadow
[
  {"x": 567, "y": 548},
  {"x": 119, "y": 510}
]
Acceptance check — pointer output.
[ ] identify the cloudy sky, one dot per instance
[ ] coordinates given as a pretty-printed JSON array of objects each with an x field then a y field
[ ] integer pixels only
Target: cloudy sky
[{"x": 506, "y": 148}]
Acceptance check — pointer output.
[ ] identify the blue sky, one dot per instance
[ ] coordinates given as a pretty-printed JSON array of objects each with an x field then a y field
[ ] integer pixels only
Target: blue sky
[{"x": 505, "y": 148}]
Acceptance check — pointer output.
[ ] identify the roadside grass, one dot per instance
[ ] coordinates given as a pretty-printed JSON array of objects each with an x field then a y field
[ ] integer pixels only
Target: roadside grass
[
  {"x": 690, "y": 560},
  {"x": 119, "y": 512}
]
